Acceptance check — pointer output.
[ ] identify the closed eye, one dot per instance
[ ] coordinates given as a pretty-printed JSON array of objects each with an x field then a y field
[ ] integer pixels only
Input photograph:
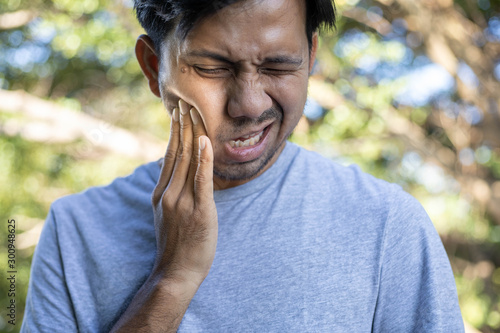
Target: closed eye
[
  {"x": 274, "y": 71},
  {"x": 212, "y": 71}
]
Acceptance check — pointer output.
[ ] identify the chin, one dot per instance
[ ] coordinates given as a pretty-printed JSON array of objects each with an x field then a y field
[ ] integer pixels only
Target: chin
[{"x": 247, "y": 170}]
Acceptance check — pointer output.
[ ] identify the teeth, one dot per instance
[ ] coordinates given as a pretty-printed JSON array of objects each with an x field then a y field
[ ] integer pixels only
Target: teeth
[{"x": 250, "y": 140}]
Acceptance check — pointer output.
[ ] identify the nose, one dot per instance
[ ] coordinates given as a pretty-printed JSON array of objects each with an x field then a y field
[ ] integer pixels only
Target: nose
[{"x": 248, "y": 98}]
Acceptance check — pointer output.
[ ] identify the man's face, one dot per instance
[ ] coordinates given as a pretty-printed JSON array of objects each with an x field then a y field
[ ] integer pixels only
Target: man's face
[{"x": 245, "y": 69}]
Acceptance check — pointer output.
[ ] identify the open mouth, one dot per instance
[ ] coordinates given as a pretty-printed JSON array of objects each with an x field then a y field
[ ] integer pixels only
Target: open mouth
[
  {"x": 247, "y": 140},
  {"x": 248, "y": 147}
]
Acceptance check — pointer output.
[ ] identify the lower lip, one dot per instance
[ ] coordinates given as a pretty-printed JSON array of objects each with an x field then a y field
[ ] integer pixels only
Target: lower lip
[{"x": 246, "y": 154}]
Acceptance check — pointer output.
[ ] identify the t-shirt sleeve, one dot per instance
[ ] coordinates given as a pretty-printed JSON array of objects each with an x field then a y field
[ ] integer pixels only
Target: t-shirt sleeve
[
  {"x": 48, "y": 304},
  {"x": 417, "y": 291}
]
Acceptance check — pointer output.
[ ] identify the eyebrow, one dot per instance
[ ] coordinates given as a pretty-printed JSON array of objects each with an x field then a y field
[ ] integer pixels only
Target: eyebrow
[
  {"x": 284, "y": 60},
  {"x": 281, "y": 59},
  {"x": 208, "y": 54}
]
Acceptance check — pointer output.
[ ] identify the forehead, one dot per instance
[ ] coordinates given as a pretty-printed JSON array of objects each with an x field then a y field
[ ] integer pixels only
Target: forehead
[{"x": 250, "y": 28}]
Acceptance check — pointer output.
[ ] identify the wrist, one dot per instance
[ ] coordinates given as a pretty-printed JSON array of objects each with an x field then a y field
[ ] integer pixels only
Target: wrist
[{"x": 178, "y": 283}]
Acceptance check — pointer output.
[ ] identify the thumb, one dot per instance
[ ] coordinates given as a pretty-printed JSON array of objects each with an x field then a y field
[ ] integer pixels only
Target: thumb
[{"x": 203, "y": 180}]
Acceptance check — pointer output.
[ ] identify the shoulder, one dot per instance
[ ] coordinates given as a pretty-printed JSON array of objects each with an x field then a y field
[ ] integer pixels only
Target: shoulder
[
  {"x": 93, "y": 242},
  {"x": 349, "y": 180},
  {"x": 114, "y": 219},
  {"x": 124, "y": 197},
  {"x": 365, "y": 200},
  {"x": 134, "y": 186}
]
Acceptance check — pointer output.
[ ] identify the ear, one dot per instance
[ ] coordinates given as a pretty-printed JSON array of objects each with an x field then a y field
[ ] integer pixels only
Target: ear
[
  {"x": 314, "y": 48},
  {"x": 148, "y": 59}
]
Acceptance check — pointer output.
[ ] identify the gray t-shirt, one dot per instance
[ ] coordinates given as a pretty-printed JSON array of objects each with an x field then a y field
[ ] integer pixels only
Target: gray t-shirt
[{"x": 309, "y": 246}]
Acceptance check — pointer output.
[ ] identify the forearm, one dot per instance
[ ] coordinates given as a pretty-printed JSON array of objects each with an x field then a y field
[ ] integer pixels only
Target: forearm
[
  {"x": 186, "y": 229},
  {"x": 158, "y": 306}
]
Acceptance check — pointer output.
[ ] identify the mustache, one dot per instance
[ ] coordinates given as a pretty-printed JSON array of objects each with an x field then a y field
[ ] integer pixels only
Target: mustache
[
  {"x": 275, "y": 112},
  {"x": 239, "y": 124}
]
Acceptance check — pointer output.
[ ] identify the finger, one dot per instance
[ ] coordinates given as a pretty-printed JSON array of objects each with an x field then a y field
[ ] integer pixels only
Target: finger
[
  {"x": 203, "y": 180},
  {"x": 198, "y": 131},
  {"x": 184, "y": 151},
  {"x": 170, "y": 157}
]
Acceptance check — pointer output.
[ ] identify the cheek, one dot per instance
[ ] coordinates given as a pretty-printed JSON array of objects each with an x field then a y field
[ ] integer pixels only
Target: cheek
[
  {"x": 291, "y": 95},
  {"x": 210, "y": 100},
  {"x": 207, "y": 96}
]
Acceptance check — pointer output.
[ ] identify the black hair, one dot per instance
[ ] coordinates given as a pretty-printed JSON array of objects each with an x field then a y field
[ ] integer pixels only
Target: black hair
[{"x": 159, "y": 17}]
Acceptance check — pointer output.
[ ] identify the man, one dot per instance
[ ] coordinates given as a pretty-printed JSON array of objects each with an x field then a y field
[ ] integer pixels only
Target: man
[{"x": 247, "y": 232}]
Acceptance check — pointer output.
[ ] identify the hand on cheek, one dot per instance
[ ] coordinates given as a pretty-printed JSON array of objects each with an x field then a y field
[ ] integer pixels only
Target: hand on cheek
[{"x": 184, "y": 209}]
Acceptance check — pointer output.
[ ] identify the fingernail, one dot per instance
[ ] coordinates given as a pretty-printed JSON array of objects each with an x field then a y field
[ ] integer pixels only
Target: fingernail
[
  {"x": 194, "y": 115},
  {"x": 183, "y": 110},
  {"x": 201, "y": 142},
  {"x": 175, "y": 114}
]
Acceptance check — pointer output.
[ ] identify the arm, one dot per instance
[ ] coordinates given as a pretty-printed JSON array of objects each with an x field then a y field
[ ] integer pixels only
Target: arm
[
  {"x": 48, "y": 303},
  {"x": 186, "y": 229},
  {"x": 417, "y": 291}
]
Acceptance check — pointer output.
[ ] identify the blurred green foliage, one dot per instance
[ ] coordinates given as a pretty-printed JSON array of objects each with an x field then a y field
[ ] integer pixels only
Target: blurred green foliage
[{"x": 371, "y": 108}]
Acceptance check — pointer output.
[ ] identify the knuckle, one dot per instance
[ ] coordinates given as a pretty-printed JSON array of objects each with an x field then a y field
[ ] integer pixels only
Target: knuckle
[
  {"x": 205, "y": 160},
  {"x": 180, "y": 150},
  {"x": 185, "y": 125},
  {"x": 194, "y": 161},
  {"x": 168, "y": 203},
  {"x": 174, "y": 131},
  {"x": 185, "y": 152},
  {"x": 174, "y": 135},
  {"x": 200, "y": 177},
  {"x": 187, "y": 146},
  {"x": 199, "y": 214},
  {"x": 170, "y": 155},
  {"x": 155, "y": 197},
  {"x": 183, "y": 205}
]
